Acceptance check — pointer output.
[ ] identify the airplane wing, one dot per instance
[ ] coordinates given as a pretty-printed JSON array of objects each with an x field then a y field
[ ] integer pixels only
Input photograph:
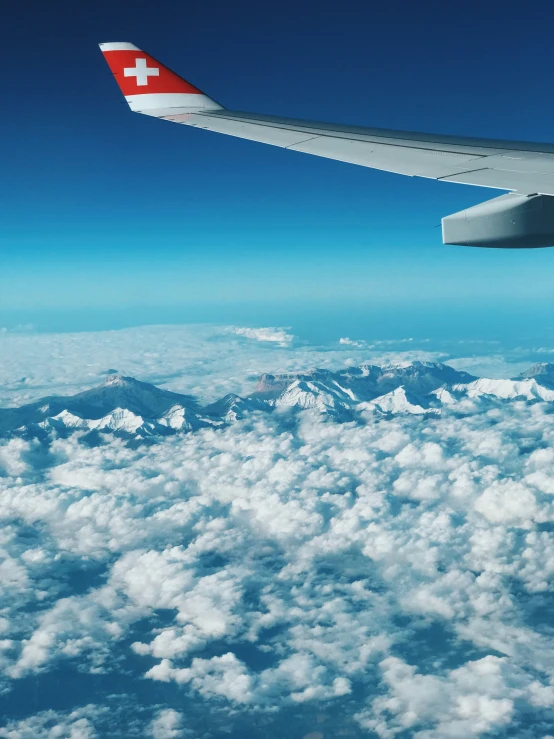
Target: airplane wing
[{"x": 522, "y": 218}]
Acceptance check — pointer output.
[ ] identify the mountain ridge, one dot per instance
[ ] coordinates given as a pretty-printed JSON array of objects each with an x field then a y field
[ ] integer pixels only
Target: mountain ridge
[{"x": 126, "y": 406}]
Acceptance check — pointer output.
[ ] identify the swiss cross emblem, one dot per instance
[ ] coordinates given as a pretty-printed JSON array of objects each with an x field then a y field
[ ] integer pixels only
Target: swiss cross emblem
[{"x": 141, "y": 71}]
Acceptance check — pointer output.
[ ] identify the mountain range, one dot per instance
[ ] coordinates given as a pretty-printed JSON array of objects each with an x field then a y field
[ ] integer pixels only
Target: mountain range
[{"x": 128, "y": 407}]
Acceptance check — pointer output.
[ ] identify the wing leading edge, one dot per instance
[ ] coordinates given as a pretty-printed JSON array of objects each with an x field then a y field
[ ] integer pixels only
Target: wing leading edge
[{"x": 525, "y": 168}]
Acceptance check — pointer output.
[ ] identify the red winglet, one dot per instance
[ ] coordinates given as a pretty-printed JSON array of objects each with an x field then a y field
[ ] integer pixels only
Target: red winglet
[{"x": 149, "y": 85}]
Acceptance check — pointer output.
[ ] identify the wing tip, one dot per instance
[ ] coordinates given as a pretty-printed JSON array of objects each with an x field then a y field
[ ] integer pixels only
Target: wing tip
[{"x": 117, "y": 46}]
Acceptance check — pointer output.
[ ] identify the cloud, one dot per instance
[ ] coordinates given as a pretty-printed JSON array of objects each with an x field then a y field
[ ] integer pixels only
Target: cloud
[
  {"x": 54, "y": 725},
  {"x": 467, "y": 702},
  {"x": 277, "y": 335},
  {"x": 208, "y": 361},
  {"x": 12, "y": 457},
  {"x": 223, "y": 676},
  {"x": 352, "y": 342},
  {"x": 20, "y": 327},
  {"x": 509, "y": 502},
  {"x": 168, "y": 724}
]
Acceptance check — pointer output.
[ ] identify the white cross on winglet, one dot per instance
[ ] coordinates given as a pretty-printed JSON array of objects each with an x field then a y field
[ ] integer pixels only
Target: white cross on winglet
[{"x": 141, "y": 72}]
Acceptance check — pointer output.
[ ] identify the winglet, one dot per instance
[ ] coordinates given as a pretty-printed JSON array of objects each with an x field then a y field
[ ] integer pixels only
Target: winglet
[{"x": 150, "y": 87}]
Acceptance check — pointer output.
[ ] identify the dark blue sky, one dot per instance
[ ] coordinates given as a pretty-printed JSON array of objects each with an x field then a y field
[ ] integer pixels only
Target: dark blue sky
[{"x": 103, "y": 209}]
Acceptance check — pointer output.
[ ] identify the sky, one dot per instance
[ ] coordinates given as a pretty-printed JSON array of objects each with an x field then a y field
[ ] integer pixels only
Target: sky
[
  {"x": 110, "y": 219},
  {"x": 380, "y": 573}
]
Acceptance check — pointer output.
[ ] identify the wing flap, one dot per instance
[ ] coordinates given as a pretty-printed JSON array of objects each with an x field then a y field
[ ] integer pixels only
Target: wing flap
[
  {"x": 523, "y": 182},
  {"x": 405, "y": 160}
]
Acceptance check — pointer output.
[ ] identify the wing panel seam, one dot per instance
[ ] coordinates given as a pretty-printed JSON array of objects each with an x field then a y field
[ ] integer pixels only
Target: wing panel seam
[{"x": 466, "y": 171}]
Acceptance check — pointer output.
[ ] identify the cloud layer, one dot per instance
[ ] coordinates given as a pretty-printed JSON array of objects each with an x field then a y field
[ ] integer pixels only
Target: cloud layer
[
  {"x": 388, "y": 577},
  {"x": 206, "y": 361},
  {"x": 398, "y": 572}
]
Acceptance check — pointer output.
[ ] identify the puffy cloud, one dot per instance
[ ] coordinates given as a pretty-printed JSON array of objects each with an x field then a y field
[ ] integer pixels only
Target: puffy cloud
[
  {"x": 54, "y": 725},
  {"x": 168, "y": 724},
  {"x": 509, "y": 502},
  {"x": 467, "y": 702},
  {"x": 351, "y": 342},
  {"x": 222, "y": 676},
  {"x": 277, "y": 335}
]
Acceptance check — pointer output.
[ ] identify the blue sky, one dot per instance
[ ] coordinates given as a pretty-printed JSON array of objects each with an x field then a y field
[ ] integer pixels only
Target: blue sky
[{"x": 109, "y": 218}]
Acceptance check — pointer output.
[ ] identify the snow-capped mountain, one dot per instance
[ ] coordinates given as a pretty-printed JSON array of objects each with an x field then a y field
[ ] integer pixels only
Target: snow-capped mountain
[
  {"x": 338, "y": 393},
  {"x": 120, "y": 403},
  {"x": 542, "y": 372},
  {"x": 369, "y": 381},
  {"x": 232, "y": 407},
  {"x": 528, "y": 389},
  {"x": 131, "y": 408},
  {"x": 398, "y": 401}
]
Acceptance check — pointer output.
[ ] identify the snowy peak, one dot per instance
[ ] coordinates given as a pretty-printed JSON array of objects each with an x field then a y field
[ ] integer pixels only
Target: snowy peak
[
  {"x": 117, "y": 393},
  {"x": 543, "y": 372},
  {"x": 421, "y": 377},
  {"x": 528, "y": 389},
  {"x": 399, "y": 402},
  {"x": 362, "y": 384},
  {"x": 115, "y": 378},
  {"x": 327, "y": 397},
  {"x": 139, "y": 397},
  {"x": 232, "y": 407},
  {"x": 270, "y": 387}
]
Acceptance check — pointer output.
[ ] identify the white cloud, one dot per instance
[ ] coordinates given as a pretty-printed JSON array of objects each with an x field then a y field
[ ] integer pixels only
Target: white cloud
[
  {"x": 509, "y": 502},
  {"x": 12, "y": 457},
  {"x": 223, "y": 676},
  {"x": 354, "y": 342},
  {"x": 277, "y": 335},
  {"x": 53, "y": 725},
  {"x": 168, "y": 724},
  {"x": 467, "y": 702}
]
